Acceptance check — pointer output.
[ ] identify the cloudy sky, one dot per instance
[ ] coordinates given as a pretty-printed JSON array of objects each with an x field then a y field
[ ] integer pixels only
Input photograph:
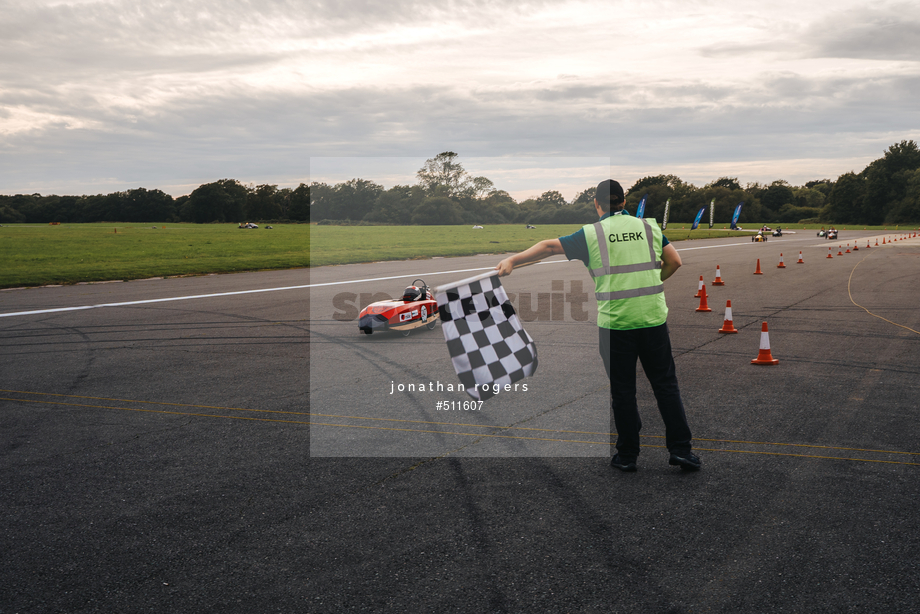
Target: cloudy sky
[{"x": 97, "y": 96}]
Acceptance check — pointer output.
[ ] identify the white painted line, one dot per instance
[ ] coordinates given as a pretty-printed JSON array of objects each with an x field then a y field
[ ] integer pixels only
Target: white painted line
[
  {"x": 775, "y": 241},
  {"x": 144, "y": 302},
  {"x": 487, "y": 268},
  {"x": 332, "y": 283},
  {"x": 687, "y": 249},
  {"x": 199, "y": 296}
]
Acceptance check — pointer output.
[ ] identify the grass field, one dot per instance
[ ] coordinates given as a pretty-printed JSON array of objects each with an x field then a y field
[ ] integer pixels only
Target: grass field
[
  {"x": 34, "y": 255},
  {"x": 71, "y": 253}
]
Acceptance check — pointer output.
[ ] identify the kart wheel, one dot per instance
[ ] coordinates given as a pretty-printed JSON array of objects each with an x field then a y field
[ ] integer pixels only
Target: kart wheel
[
  {"x": 432, "y": 324},
  {"x": 405, "y": 333},
  {"x": 367, "y": 331}
]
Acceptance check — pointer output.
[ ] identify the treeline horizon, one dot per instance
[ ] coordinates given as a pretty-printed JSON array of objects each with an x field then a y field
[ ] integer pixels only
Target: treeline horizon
[{"x": 887, "y": 191}]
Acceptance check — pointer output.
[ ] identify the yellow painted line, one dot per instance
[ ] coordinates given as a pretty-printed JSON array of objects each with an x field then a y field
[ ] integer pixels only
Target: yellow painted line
[
  {"x": 76, "y": 396},
  {"x": 479, "y": 435},
  {"x": 862, "y": 460},
  {"x": 647, "y": 446},
  {"x": 156, "y": 411},
  {"x": 850, "y": 279},
  {"x": 800, "y": 445},
  {"x": 397, "y": 420}
]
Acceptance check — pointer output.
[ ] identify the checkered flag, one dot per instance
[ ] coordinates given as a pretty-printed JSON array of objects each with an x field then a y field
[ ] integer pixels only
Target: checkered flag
[{"x": 485, "y": 338}]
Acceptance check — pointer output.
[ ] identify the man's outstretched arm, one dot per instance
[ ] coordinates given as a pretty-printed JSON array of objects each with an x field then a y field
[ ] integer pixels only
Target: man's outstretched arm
[{"x": 543, "y": 249}]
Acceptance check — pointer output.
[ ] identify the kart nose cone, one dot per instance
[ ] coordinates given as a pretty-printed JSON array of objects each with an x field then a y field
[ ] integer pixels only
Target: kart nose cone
[{"x": 372, "y": 322}]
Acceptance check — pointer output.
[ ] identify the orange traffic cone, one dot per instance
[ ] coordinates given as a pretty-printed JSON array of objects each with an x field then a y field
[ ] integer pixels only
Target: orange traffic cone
[
  {"x": 867, "y": 244},
  {"x": 839, "y": 250},
  {"x": 718, "y": 281},
  {"x": 781, "y": 265},
  {"x": 876, "y": 241},
  {"x": 758, "y": 271},
  {"x": 727, "y": 325},
  {"x": 800, "y": 261},
  {"x": 829, "y": 252},
  {"x": 855, "y": 247},
  {"x": 704, "y": 306},
  {"x": 699, "y": 290},
  {"x": 883, "y": 240},
  {"x": 764, "y": 357},
  {"x": 848, "y": 249}
]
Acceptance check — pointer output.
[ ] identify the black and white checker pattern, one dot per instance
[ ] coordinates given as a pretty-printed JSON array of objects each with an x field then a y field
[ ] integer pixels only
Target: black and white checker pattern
[{"x": 485, "y": 338}]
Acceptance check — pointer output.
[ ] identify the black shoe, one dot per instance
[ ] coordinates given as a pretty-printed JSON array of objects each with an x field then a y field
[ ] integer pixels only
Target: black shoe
[
  {"x": 688, "y": 461},
  {"x": 623, "y": 464}
]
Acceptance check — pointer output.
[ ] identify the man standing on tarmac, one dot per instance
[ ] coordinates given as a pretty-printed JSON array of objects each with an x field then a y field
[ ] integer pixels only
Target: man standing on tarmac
[{"x": 629, "y": 259}]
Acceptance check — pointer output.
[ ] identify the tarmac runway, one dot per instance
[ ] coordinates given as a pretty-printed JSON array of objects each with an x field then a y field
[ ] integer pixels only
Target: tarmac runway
[{"x": 250, "y": 450}]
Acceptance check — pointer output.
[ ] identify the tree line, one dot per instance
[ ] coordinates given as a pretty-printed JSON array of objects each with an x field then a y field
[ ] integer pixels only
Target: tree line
[
  {"x": 887, "y": 191},
  {"x": 226, "y": 200}
]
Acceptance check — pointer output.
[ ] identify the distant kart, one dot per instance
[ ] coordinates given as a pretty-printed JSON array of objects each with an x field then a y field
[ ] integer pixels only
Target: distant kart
[
  {"x": 831, "y": 234},
  {"x": 248, "y": 225},
  {"x": 778, "y": 232},
  {"x": 415, "y": 309},
  {"x": 759, "y": 238}
]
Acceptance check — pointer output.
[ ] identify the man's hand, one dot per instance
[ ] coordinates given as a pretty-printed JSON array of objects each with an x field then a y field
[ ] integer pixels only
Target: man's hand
[
  {"x": 505, "y": 267},
  {"x": 543, "y": 249}
]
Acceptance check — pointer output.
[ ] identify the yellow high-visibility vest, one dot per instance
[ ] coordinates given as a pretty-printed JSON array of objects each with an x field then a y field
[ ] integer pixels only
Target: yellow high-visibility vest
[{"x": 625, "y": 263}]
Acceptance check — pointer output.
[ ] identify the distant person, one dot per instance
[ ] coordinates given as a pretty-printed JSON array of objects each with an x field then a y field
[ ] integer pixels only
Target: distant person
[{"x": 629, "y": 260}]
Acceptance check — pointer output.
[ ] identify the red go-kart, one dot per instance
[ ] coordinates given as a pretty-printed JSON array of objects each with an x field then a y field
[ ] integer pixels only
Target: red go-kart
[{"x": 415, "y": 309}]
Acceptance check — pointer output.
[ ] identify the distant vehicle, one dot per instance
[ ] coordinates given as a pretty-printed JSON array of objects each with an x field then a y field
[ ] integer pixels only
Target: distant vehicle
[
  {"x": 778, "y": 232},
  {"x": 530, "y": 227},
  {"x": 415, "y": 309},
  {"x": 759, "y": 238},
  {"x": 477, "y": 227},
  {"x": 248, "y": 225},
  {"x": 831, "y": 234}
]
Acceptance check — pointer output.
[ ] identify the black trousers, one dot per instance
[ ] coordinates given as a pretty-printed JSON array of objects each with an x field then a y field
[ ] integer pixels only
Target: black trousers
[{"x": 652, "y": 346}]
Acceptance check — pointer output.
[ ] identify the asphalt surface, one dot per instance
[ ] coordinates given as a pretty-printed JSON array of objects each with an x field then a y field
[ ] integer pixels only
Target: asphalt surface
[{"x": 243, "y": 452}]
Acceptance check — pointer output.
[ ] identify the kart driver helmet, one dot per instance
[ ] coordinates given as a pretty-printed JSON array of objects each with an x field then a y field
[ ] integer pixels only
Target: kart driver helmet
[{"x": 412, "y": 293}]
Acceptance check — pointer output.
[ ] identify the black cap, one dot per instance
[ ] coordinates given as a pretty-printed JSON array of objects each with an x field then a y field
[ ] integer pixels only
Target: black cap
[{"x": 609, "y": 191}]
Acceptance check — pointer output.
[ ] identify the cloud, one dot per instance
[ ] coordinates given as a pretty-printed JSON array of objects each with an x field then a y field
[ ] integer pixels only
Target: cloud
[
  {"x": 886, "y": 31},
  {"x": 874, "y": 33},
  {"x": 171, "y": 93}
]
